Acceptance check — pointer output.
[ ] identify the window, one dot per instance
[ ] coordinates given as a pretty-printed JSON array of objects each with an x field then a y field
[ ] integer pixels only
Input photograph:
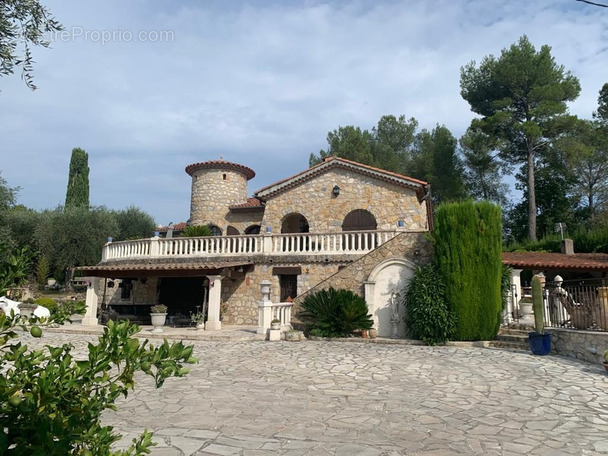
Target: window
[
  {"x": 232, "y": 231},
  {"x": 253, "y": 229},
  {"x": 125, "y": 289},
  {"x": 295, "y": 223}
]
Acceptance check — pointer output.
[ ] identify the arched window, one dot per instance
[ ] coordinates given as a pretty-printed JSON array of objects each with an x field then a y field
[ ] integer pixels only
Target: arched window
[
  {"x": 216, "y": 230},
  {"x": 294, "y": 223},
  {"x": 253, "y": 229},
  {"x": 232, "y": 231},
  {"x": 359, "y": 220}
]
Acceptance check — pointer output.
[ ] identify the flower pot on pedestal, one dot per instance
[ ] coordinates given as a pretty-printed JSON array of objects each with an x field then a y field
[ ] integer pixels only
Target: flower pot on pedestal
[{"x": 158, "y": 321}]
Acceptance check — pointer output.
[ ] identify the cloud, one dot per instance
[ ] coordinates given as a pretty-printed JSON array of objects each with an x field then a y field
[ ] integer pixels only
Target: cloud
[{"x": 260, "y": 83}]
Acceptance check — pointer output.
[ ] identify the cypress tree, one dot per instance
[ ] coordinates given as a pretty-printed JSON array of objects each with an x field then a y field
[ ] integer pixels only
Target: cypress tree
[
  {"x": 468, "y": 255},
  {"x": 77, "y": 194}
]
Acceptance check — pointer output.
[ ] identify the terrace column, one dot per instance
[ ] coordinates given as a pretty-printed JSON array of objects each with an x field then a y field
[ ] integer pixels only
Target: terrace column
[
  {"x": 90, "y": 317},
  {"x": 215, "y": 295},
  {"x": 513, "y": 310}
]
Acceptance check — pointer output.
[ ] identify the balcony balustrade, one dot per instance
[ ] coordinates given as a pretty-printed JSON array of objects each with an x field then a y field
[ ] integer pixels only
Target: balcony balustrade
[{"x": 309, "y": 244}]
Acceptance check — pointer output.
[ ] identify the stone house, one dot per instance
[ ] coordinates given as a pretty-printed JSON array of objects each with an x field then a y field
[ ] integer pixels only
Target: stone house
[{"x": 338, "y": 223}]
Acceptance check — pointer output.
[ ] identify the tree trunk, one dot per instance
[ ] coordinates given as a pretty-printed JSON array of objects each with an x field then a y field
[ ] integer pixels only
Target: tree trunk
[{"x": 531, "y": 195}]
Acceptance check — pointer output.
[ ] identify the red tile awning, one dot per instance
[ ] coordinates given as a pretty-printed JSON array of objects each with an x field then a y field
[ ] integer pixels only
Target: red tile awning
[
  {"x": 126, "y": 270},
  {"x": 556, "y": 261}
]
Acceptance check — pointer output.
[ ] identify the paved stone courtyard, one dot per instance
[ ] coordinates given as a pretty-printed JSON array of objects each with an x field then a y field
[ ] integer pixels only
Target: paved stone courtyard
[{"x": 332, "y": 398}]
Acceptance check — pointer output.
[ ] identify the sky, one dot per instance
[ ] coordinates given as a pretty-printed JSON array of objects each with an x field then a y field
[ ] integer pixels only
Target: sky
[{"x": 148, "y": 87}]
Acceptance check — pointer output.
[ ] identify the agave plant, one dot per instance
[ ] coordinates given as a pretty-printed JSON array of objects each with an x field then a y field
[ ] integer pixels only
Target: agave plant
[{"x": 335, "y": 313}]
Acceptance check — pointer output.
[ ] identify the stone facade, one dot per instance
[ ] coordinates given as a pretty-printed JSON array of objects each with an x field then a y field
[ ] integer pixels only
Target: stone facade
[
  {"x": 387, "y": 201},
  {"x": 213, "y": 191},
  {"x": 414, "y": 247},
  {"x": 584, "y": 345},
  {"x": 141, "y": 293}
]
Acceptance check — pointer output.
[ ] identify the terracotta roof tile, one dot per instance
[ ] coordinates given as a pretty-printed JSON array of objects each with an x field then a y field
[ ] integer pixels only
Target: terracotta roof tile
[
  {"x": 555, "y": 261},
  {"x": 250, "y": 204},
  {"x": 221, "y": 164},
  {"x": 176, "y": 227},
  {"x": 313, "y": 170}
]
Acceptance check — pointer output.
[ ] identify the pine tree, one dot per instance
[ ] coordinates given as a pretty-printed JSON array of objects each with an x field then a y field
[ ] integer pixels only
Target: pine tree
[{"x": 77, "y": 194}]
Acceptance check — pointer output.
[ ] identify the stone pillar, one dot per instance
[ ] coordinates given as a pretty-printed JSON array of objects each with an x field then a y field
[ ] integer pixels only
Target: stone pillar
[
  {"x": 213, "y": 311},
  {"x": 90, "y": 317},
  {"x": 154, "y": 246},
  {"x": 264, "y": 308}
]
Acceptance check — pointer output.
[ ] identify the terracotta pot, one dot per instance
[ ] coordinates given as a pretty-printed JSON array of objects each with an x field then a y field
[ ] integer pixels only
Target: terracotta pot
[
  {"x": 373, "y": 333},
  {"x": 364, "y": 334}
]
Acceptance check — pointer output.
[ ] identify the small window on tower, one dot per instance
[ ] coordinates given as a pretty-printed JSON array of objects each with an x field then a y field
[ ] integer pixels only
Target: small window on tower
[{"x": 224, "y": 176}]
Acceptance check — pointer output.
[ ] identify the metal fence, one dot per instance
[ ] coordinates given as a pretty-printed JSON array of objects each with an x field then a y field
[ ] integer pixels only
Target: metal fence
[{"x": 577, "y": 304}]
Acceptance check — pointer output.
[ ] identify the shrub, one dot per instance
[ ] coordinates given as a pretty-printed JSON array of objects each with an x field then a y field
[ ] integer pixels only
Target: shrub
[
  {"x": 468, "y": 255},
  {"x": 51, "y": 403},
  {"x": 197, "y": 230},
  {"x": 49, "y": 303},
  {"x": 427, "y": 316},
  {"x": 335, "y": 313}
]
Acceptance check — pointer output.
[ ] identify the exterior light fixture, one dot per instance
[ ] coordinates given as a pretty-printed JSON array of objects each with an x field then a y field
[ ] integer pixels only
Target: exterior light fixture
[
  {"x": 109, "y": 239},
  {"x": 335, "y": 191},
  {"x": 269, "y": 229}
]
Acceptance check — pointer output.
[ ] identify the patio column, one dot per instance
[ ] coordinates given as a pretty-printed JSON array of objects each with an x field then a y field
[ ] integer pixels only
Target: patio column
[
  {"x": 213, "y": 311},
  {"x": 513, "y": 306},
  {"x": 90, "y": 317}
]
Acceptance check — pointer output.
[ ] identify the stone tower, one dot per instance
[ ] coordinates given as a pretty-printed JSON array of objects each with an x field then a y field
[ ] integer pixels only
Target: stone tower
[{"x": 216, "y": 185}]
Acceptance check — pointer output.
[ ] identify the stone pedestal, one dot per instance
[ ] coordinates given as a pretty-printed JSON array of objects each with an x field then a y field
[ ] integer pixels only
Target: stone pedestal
[
  {"x": 274, "y": 335},
  {"x": 90, "y": 317},
  {"x": 395, "y": 329},
  {"x": 213, "y": 312}
]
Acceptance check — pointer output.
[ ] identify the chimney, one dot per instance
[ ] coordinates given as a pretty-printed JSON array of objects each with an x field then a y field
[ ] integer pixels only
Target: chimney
[{"x": 567, "y": 246}]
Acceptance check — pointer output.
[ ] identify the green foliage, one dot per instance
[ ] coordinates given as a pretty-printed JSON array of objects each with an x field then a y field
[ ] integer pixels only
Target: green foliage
[
  {"x": 196, "y": 231},
  {"x": 158, "y": 308},
  {"x": 467, "y": 241},
  {"x": 51, "y": 402},
  {"x": 77, "y": 194},
  {"x": 537, "y": 304},
  {"x": 14, "y": 266},
  {"x": 522, "y": 98},
  {"x": 133, "y": 223},
  {"x": 335, "y": 313},
  {"x": 23, "y": 24},
  {"x": 74, "y": 236},
  {"x": 427, "y": 316},
  {"x": 49, "y": 303},
  {"x": 42, "y": 271}
]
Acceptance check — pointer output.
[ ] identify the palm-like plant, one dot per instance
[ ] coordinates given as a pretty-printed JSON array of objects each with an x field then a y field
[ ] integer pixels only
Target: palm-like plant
[
  {"x": 335, "y": 313},
  {"x": 197, "y": 230}
]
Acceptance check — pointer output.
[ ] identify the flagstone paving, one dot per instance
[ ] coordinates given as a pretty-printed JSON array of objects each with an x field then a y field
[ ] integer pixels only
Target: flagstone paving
[{"x": 330, "y": 398}]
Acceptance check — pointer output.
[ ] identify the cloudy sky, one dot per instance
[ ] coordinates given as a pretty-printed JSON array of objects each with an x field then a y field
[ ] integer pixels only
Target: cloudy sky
[{"x": 147, "y": 87}]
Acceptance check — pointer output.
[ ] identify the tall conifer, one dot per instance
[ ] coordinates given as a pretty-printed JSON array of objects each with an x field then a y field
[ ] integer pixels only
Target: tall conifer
[{"x": 77, "y": 194}]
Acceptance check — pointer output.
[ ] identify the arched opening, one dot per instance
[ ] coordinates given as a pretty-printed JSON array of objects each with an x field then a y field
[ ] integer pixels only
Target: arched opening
[
  {"x": 232, "y": 231},
  {"x": 360, "y": 220},
  {"x": 294, "y": 223},
  {"x": 253, "y": 229},
  {"x": 216, "y": 230}
]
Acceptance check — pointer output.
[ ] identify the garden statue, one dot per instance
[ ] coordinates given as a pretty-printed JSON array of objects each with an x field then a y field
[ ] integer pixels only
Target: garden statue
[{"x": 395, "y": 317}]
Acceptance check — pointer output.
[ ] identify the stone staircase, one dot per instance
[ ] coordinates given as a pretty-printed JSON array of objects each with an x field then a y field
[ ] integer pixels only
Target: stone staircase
[{"x": 512, "y": 338}]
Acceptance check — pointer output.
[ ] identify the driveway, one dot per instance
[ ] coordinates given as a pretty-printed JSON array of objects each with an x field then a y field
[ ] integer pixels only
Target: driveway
[{"x": 336, "y": 398}]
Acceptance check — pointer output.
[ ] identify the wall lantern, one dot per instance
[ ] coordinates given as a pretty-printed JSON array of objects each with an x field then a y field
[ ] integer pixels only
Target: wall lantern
[{"x": 335, "y": 191}]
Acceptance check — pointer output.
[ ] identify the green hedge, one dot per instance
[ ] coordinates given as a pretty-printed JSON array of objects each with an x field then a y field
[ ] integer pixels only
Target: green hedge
[{"x": 467, "y": 241}]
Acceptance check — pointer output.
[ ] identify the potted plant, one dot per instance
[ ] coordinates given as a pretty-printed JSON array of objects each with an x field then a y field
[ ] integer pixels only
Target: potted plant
[
  {"x": 158, "y": 314},
  {"x": 275, "y": 324},
  {"x": 606, "y": 360},
  {"x": 540, "y": 342},
  {"x": 293, "y": 335},
  {"x": 198, "y": 318}
]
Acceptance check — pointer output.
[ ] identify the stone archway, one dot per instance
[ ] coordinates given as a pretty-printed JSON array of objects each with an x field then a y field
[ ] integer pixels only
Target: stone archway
[
  {"x": 390, "y": 275},
  {"x": 294, "y": 223}
]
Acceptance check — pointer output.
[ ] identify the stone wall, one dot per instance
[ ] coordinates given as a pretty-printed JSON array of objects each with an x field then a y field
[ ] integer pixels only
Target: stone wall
[
  {"x": 584, "y": 345},
  {"x": 141, "y": 293},
  {"x": 212, "y": 195},
  {"x": 388, "y": 202},
  {"x": 415, "y": 247},
  {"x": 242, "y": 292},
  {"x": 243, "y": 219}
]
